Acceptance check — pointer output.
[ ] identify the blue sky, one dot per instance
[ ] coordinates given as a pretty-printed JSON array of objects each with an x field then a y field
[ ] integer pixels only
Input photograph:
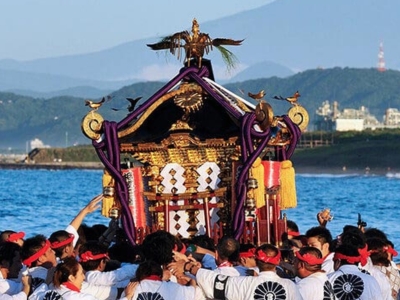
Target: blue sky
[{"x": 31, "y": 29}]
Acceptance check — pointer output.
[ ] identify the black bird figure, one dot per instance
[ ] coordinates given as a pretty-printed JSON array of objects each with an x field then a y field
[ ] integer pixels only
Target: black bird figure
[
  {"x": 133, "y": 102},
  {"x": 131, "y": 106}
]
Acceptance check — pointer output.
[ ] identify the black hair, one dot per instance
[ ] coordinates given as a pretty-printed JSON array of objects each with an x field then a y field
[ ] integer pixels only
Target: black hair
[
  {"x": 377, "y": 253},
  {"x": 375, "y": 232},
  {"x": 59, "y": 236},
  {"x": 4, "y": 235},
  {"x": 96, "y": 248},
  {"x": 158, "y": 246},
  {"x": 353, "y": 236},
  {"x": 321, "y": 233},
  {"x": 125, "y": 252},
  {"x": 31, "y": 246},
  {"x": 314, "y": 252},
  {"x": 7, "y": 251},
  {"x": 147, "y": 268},
  {"x": 271, "y": 251},
  {"x": 228, "y": 249},
  {"x": 64, "y": 269},
  {"x": 292, "y": 225},
  {"x": 347, "y": 250},
  {"x": 204, "y": 241}
]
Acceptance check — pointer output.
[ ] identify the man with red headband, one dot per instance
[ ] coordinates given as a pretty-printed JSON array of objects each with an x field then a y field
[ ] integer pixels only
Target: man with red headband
[
  {"x": 93, "y": 258},
  {"x": 12, "y": 236},
  {"x": 313, "y": 283},
  {"x": 321, "y": 238},
  {"x": 267, "y": 285},
  {"x": 62, "y": 242},
  {"x": 348, "y": 281},
  {"x": 353, "y": 236},
  {"x": 39, "y": 259},
  {"x": 247, "y": 260}
]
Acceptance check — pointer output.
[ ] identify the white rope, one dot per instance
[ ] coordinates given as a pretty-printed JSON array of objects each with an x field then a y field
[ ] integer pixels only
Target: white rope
[{"x": 252, "y": 106}]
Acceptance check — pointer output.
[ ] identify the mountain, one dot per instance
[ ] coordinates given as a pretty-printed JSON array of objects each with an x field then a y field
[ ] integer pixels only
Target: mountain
[
  {"x": 296, "y": 35},
  {"x": 14, "y": 80},
  {"x": 78, "y": 91},
  {"x": 264, "y": 69},
  {"x": 56, "y": 121}
]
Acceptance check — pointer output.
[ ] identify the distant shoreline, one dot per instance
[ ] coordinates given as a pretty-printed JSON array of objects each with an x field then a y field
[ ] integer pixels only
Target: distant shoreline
[
  {"x": 52, "y": 166},
  {"x": 100, "y": 166}
]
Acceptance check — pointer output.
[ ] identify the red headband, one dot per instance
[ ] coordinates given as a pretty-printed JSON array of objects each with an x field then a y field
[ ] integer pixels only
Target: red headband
[
  {"x": 260, "y": 255},
  {"x": 293, "y": 233},
  {"x": 183, "y": 250},
  {"x": 390, "y": 250},
  {"x": 59, "y": 244},
  {"x": 350, "y": 259},
  {"x": 27, "y": 262},
  {"x": 362, "y": 258},
  {"x": 309, "y": 258},
  {"x": 364, "y": 254},
  {"x": 13, "y": 237},
  {"x": 249, "y": 253},
  {"x": 88, "y": 255}
]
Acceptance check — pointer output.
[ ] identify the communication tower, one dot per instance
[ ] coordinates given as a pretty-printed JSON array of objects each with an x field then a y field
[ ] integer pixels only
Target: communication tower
[{"x": 381, "y": 59}]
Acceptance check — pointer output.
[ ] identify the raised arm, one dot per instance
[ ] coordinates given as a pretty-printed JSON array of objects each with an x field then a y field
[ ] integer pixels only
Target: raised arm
[{"x": 92, "y": 206}]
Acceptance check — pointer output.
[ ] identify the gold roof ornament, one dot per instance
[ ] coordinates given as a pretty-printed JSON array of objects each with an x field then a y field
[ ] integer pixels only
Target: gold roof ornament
[
  {"x": 91, "y": 125},
  {"x": 96, "y": 105},
  {"x": 196, "y": 45}
]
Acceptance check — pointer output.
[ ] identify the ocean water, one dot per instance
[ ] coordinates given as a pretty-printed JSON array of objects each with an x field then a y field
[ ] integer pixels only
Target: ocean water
[{"x": 43, "y": 201}]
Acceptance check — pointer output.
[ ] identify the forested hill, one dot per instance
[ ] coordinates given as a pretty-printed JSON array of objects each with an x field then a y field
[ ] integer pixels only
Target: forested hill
[{"x": 57, "y": 121}]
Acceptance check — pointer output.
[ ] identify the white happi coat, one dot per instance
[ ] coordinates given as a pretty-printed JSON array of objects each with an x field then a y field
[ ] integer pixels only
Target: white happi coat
[
  {"x": 230, "y": 271},
  {"x": 19, "y": 296},
  {"x": 101, "y": 292},
  {"x": 118, "y": 278},
  {"x": 327, "y": 265},
  {"x": 381, "y": 278},
  {"x": 267, "y": 285},
  {"x": 166, "y": 290},
  {"x": 349, "y": 282},
  {"x": 393, "y": 275},
  {"x": 9, "y": 287},
  {"x": 39, "y": 286},
  {"x": 316, "y": 287},
  {"x": 68, "y": 294}
]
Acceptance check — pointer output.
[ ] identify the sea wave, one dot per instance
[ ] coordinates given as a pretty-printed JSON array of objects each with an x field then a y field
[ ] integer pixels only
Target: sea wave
[{"x": 327, "y": 175}]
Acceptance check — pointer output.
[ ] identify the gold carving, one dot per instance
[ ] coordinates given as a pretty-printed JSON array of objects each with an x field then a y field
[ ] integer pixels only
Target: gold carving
[
  {"x": 91, "y": 125},
  {"x": 299, "y": 116}
]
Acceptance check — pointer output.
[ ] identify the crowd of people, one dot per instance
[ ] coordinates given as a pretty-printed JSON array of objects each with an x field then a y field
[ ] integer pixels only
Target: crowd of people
[{"x": 97, "y": 262}]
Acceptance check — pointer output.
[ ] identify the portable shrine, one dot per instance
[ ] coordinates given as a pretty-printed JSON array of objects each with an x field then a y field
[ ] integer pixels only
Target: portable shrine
[{"x": 196, "y": 158}]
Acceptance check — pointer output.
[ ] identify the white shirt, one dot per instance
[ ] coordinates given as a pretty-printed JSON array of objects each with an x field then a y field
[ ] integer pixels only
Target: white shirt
[
  {"x": 100, "y": 292},
  {"x": 327, "y": 265},
  {"x": 167, "y": 290},
  {"x": 68, "y": 294},
  {"x": 118, "y": 278},
  {"x": 39, "y": 274},
  {"x": 383, "y": 281},
  {"x": 266, "y": 284},
  {"x": 19, "y": 296},
  {"x": 71, "y": 229},
  {"x": 10, "y": 287},
  {"x": 230, "y": 271},
  {"x": 349, "y": 280},
  {"x": 315, "y": 287}
]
